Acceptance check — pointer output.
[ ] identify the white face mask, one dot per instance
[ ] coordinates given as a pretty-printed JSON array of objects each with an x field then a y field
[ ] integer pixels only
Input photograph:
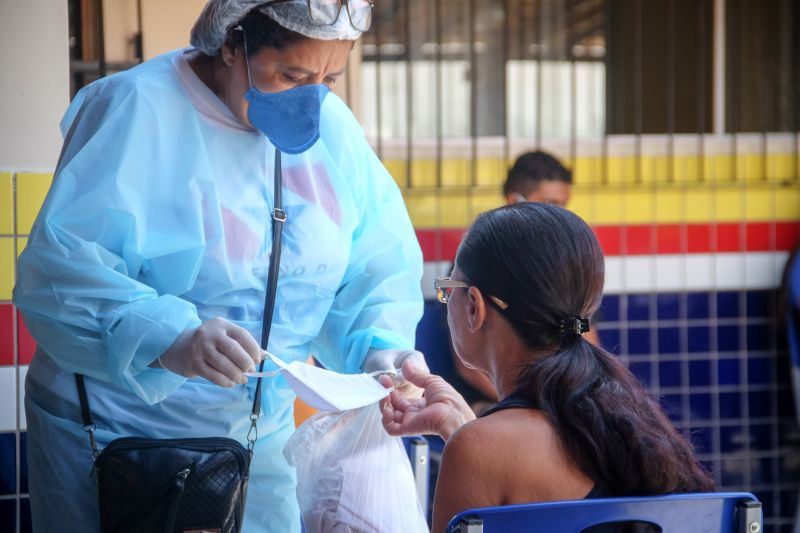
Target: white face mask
[{"x": 326, "y": 390}]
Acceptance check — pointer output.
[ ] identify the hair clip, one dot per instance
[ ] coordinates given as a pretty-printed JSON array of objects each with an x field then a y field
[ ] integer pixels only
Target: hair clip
[{"x": 573, "y": 326}]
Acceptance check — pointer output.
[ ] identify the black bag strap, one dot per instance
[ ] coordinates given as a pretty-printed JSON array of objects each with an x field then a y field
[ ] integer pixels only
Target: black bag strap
[
  {"x": 278, "y": 220},
  {"x": 86, "y": 414}
]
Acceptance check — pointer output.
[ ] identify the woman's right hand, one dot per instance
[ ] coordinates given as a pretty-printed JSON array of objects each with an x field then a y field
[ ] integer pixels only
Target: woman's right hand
[
  {"x": 440, "y": 411},
  {"x": 218, "y": 351}
]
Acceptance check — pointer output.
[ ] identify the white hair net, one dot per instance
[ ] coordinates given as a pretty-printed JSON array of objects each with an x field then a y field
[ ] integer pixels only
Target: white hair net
[{"x": 218, "y": 16}]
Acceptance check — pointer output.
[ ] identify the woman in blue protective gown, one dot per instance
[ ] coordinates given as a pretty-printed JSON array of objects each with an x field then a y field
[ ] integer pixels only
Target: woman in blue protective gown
[{"x": 146, "y": 268}]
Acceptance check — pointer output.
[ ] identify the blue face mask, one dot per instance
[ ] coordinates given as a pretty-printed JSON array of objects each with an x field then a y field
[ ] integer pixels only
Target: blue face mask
[{"x": 289, "y": 119}]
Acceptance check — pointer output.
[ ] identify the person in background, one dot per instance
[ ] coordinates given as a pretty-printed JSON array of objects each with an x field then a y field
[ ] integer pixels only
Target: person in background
[
  {"x": 538, "y": 177},
  {"x": 535, "y": 177},
  {"x": 573, "y": 422},
  {"x": 146, "y": 269}
]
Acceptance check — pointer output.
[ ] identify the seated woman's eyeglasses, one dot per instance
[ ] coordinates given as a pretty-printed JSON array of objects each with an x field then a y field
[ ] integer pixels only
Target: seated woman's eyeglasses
[
  {"x": 327, "y": 12},
  {"x": 444, "y": 288}
]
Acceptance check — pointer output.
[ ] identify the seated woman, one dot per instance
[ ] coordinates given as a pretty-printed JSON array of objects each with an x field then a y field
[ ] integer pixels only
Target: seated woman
[{"x": 573, "y": 422}]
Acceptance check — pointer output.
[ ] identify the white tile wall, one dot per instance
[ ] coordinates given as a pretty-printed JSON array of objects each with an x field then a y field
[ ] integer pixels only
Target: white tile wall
[
  {"x": 694, "y": 272},
  {"x": 639, "y": 273},
  {"x": 23, "y": 422},
  {"x": 8, "y": 398},
  {"x": 730, "y": 272},
  {"x": 699, "y": 272},
  {"x": 615, "y": 274},
  {"x": 763, "y": 268},
  {"x": 670, "y": 273}
]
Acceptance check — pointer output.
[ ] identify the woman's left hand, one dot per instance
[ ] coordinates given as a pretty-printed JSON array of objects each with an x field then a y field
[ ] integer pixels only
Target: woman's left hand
[{"x": 440, "y": 411}]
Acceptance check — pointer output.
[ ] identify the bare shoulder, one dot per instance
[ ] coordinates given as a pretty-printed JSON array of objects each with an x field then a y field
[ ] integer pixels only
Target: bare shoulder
[
  {"x": 470, "y": 455},
  {"x": 482, "y": 443},
  {"x": 471, "y": 438},
  {"x": 466, "y": 476},
  {"x": 514, "y": 456},
  {"x": 510, "y": 430}
]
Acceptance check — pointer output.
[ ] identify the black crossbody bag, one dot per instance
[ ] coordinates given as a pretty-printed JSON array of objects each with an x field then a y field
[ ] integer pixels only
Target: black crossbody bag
[{"x": 193, "y": 485}]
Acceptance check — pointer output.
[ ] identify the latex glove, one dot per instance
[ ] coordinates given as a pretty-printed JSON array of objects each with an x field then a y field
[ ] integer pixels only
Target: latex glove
[
  {"x": 389, "y": 361},
  {"x": 440, "y": 411},
  {"x": 218, "y": 351}
]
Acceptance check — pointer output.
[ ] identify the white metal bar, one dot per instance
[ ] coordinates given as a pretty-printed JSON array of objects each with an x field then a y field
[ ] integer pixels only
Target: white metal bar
[
  {"x": 719, "y": 67},
  {"x": 420, "y": 465}
]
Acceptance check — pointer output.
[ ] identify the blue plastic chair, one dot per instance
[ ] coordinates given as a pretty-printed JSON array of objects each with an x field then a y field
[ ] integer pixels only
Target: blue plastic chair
[
  {"x": 792, "y": 330},
  {"x": 718, "y": 512},
  {"x": 792, "y": 277}
]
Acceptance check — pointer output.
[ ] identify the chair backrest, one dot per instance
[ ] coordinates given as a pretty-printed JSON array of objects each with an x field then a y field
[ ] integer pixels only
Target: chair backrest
[
  {"x": 792, "y": 278},
  {"x": 718, "y": 512}
]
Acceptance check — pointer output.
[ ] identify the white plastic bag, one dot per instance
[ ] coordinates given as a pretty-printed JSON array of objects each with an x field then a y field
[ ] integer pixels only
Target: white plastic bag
[{"x": 352, "y": 477}]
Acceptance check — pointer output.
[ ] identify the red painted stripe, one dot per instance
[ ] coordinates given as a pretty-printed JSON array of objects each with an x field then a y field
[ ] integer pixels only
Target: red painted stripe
[
  {"x": 699, "y": 239},
  {"x": 25, "y": 343},
  {"x": 6, "y": 334},
  {"x": 441, "y": 244}
]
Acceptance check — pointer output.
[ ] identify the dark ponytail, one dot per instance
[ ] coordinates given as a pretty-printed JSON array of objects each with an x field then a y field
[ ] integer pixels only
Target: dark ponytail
[
  {"x": 547, "y": 265},
  {"x": 607, "y": 423}
]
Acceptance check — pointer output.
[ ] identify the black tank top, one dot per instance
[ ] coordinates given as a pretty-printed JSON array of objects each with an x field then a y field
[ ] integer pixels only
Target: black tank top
[
  {"x": 517, "y": 400},
  {"x": 513, "y": 401}
]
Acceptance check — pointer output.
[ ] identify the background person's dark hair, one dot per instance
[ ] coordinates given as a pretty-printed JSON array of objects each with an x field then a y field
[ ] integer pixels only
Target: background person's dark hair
[
  {"x": 546, "y": 263},
  {"x": 262, "y": 32},
  {"x": 530, "y": 169}
]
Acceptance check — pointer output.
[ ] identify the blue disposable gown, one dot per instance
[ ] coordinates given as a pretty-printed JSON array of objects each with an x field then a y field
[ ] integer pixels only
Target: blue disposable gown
[{"x": 159, "y": 219}]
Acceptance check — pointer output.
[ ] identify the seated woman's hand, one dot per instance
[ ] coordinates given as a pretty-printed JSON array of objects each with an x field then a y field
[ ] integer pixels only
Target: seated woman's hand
[
  {"x": 389, "y": 360},
  {"x": 440, "y": 411}
]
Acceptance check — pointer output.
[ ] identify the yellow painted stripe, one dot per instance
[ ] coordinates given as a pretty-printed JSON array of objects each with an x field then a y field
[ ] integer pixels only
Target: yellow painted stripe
[
  {"x": 31, "y": 191},
  {"x": 6, "y": 267},
  {"x": 22, "y": 242},
  {"x": 645, "y": 170},
  {"x": 6, "y": 204},
  {"x": 672, "y": 204},
  {"x": 617, "y": 190}
]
